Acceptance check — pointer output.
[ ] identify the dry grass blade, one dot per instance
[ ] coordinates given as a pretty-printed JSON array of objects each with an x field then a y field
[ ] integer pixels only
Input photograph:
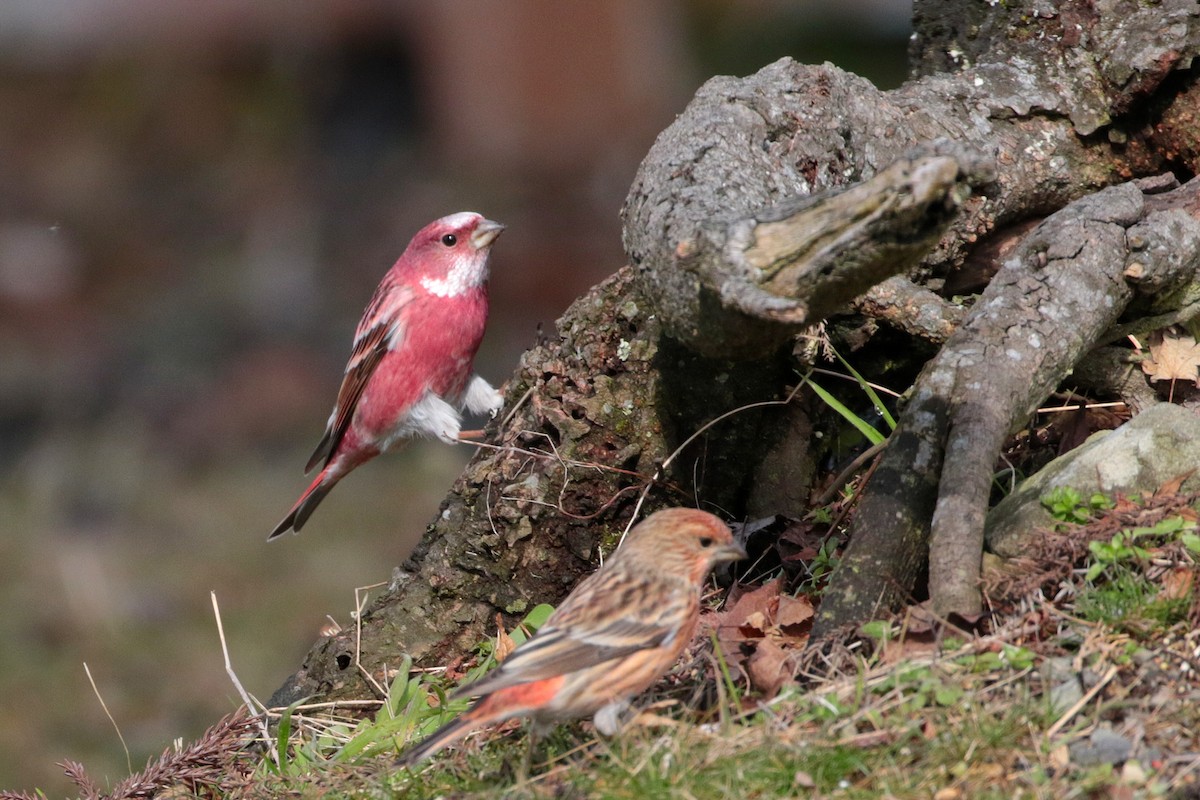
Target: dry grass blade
[
  {"x": 252, "y": 705},
  {"x": 360, "y": 602},
  {"x": 107, "y": 713},
  {"x": 1083, "y": 701}
]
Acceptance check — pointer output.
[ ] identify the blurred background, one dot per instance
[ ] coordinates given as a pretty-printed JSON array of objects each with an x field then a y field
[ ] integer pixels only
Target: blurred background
[{"x": 196, "y": 201}]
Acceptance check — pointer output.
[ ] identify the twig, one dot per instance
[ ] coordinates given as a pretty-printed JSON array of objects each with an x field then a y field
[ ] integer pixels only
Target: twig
[
  {"x": 844, "y": 476},
  {"x": 487, "y": 507},
  {"x": 281, "y": 710},
  {"x": 116, "y": 727},
  {"x": 258, "y": 710},
  {"x": 559, "y": 506},
  {"x": 1182, "y": 775},
  {"x": 1081, "y": 406},
  {"x": 516, "y": 406},
  {"x": 853, "y": 379},
  {"x": 1081, "y": 702},
  {"x": 1147, "y": 324},
  {"x": 543, "y": 455},
  {"x": 359, "y": 604}
]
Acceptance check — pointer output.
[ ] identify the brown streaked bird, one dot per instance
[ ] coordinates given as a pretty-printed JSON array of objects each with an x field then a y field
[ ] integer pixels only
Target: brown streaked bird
[{"x": 620, "y": 630}]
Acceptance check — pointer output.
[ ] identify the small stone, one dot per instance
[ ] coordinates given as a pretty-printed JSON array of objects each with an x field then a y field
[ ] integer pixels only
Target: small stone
[
  {"x": 1065, "y": 687},
  {"x": 1105, "y": 746}
]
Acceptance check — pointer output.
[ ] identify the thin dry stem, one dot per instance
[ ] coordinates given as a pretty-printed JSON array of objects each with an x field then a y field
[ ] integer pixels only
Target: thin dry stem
[
  {"x": 255, "y": 708},
  {"x": 360, "y": 602},
  {"x": 107, "y": 713}
]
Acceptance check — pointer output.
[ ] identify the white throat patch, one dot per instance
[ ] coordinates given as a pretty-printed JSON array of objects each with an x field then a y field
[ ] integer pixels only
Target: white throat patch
[{"x": 465, "y": 275}]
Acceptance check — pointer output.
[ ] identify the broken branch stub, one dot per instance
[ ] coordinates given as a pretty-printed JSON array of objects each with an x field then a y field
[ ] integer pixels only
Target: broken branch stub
[{"x": 804, "y": 259}]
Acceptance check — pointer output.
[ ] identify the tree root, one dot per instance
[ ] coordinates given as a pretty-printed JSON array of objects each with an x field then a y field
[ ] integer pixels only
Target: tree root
[{"x": 1051, "y": 301}]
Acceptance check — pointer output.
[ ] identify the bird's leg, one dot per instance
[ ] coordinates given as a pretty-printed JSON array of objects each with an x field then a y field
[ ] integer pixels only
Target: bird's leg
[
  {"x": 527, "y": 760},
  {"x": 480, "y": 397},
  {"x": 537, "y": 731},
  {"x": 608, "y": 719},
  {"x": 470, "y": 436},
  {"x": 429, "y": 416}
]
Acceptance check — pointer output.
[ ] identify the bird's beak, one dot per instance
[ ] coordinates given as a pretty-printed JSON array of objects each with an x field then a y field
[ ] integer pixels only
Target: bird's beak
[
  {"x": 728, "y": 552},
  {"x": 485, "y": 233}
]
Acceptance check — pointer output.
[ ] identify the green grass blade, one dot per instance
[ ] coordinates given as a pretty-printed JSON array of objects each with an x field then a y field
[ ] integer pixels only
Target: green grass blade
[
  {"x": 870, "y": 392},
  {"x": 871, "y": 435}
]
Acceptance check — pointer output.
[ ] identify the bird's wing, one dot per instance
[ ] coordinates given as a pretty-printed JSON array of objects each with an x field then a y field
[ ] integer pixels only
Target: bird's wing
[
  {"x": 582, "y": 634},
  {"x": 380, "y": 330}
]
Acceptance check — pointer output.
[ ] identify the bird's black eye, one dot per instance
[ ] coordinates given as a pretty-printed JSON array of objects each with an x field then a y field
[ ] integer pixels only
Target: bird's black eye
[
  {"x": 705, "y": 541},
  {"x": 449, "y": 240}
]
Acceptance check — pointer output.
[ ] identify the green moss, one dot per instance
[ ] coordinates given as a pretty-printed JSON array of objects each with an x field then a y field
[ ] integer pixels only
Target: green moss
[{"x": 517, "y": 606}]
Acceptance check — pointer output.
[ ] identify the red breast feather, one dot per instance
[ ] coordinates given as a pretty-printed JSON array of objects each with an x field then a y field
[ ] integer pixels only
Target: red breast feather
[{"x": 441, "y": 337}]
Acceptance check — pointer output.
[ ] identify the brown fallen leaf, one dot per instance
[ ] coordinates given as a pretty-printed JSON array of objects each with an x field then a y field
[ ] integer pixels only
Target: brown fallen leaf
[
  {"x": 751, "y": 613},
  {"x": 1174, "y": 355},
  {"x": 763, "y": 626},
  {"x": 504, "y": 643},
  {"x": 1177, "y": 584},
  {"x": 768, "y": 668},
  {"x": 793, "y": 611},
  {"x": 756, "y": 622},
  {"x": 1173, "y": 486}
]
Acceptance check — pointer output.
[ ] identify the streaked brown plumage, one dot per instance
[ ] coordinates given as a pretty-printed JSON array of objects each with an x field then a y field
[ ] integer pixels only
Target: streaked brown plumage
[{"x": 614, "y": 635}]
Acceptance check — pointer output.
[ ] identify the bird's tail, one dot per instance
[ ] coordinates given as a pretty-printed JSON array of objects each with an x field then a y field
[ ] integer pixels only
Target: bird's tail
[
  {"x": 490, "y": 708},
  {"x": 308, "y": 501}
]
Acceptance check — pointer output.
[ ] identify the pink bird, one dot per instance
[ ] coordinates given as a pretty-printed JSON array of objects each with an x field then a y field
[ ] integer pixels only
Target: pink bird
[{"x": 411, "y": 369}]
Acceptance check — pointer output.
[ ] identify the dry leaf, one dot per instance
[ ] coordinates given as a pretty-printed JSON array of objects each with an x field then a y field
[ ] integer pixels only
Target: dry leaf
[
  {"x": 1173, "y": 486},
  {"x": 793, "y": 611},
  {"x": 929, "y": 730},
  {"x": 768, "y": 668},
  {"x": 752, "y": 637},
  {"x": 756, "y": 622},
  {"x": 1177, "y": 584},
  {"x": 1173, "y": 356},
  {"x": 750, "y": 614},
  {"x": 504, "y": 643}
]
